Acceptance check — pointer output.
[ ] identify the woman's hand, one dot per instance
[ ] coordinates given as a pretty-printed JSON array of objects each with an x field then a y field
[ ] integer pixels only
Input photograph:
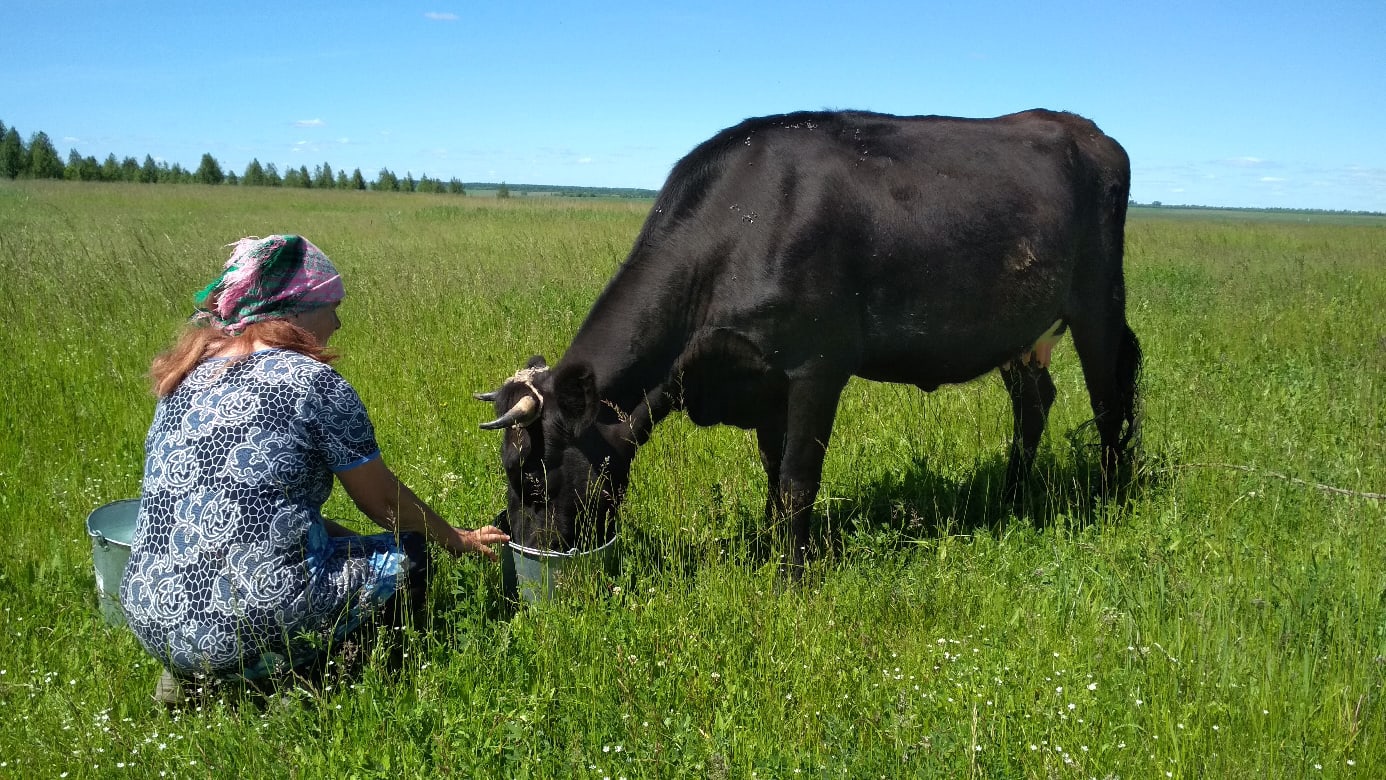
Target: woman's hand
[{"x": 480, "y": 540}]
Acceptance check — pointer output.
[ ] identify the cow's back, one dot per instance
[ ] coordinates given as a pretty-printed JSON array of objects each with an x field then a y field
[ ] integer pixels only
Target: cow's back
[{"x": 900, "y": 242}]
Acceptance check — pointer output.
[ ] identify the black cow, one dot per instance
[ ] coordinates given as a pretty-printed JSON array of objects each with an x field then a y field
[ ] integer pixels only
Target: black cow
[{"x": 789, "y": 253}]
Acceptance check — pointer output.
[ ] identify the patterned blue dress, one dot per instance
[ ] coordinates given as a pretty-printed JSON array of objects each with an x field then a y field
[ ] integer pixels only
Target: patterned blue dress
[{"x": 232, "y": 573}]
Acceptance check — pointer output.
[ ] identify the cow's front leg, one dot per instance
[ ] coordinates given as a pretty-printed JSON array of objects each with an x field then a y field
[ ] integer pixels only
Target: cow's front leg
[
  {"x": 770, "y": 438},
  {"x": 809, "y": 427},
  {"x": 1032, "y": 394}
]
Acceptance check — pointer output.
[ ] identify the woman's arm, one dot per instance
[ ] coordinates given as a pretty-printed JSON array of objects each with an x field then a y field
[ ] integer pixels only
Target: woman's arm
[{"x": 380, "y": 495}]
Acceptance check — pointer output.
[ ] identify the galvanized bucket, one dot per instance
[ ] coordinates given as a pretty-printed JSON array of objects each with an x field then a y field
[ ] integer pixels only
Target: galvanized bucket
[
  {"x": 111, "y": 528},
  {"x": 533, "y": 576}
]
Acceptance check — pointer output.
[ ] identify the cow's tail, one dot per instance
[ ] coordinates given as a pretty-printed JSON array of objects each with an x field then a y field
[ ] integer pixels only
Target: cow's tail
[{"x": 1128, "y": 353}]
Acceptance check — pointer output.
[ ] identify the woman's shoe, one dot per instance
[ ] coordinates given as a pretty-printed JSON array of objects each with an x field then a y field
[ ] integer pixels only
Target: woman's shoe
[{"x": 169, "y": 691}]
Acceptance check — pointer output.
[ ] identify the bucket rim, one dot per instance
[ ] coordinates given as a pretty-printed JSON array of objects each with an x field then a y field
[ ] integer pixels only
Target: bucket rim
[
  {"x": 532, "y": 553},
  {"x": 96, "y": 534}
]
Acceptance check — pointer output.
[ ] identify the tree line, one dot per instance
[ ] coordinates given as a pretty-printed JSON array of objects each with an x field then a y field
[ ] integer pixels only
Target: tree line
[{"x": 39, "y": 159}]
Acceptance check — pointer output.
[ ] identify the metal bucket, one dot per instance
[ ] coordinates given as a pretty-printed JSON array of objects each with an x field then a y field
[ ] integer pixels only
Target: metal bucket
[
  {"x": 111, "y": 528},
  {"x": 533, "y": 576}
]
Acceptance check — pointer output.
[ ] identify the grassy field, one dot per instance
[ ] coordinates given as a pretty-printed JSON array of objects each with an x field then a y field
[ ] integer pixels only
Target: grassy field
[{"x": 1220, "y": 621}]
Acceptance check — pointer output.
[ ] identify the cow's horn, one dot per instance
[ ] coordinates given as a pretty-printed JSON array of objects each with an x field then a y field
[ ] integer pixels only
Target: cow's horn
[
  {"x": 487, "y": 397},
  {"x": 524, "y": 412}
]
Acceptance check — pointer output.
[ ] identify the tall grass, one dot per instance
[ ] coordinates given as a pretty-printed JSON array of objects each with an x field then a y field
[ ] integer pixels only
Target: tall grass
[{"x": 1214, "y": 622}]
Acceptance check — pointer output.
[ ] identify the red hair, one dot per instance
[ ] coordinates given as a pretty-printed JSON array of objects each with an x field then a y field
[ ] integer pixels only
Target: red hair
[{"x": 199, "y": 342}]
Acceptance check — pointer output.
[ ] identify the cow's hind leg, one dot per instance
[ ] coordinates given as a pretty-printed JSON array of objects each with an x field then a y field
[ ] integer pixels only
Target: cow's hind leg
[
  {"x": 1111, "y": 358},
  {"x": 1032, "y": 394}
]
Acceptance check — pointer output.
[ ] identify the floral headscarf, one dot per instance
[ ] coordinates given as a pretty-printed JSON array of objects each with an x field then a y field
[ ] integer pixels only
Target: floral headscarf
[{"x": 268, "y": 278}]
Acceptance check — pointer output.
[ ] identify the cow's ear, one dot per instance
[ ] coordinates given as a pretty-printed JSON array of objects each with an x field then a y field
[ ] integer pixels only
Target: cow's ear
[{"x": 576, "y": 389}]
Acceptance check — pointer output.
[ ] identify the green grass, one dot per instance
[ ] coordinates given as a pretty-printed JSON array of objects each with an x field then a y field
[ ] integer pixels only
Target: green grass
[{"x": 1217, "y": 622}]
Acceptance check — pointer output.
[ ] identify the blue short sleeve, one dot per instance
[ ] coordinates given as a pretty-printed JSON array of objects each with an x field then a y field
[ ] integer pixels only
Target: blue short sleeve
[{"x": 338, "y": 424}]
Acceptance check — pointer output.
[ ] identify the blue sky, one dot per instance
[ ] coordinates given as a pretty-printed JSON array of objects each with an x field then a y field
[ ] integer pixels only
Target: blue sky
[{"x": 1262, "y": 104}]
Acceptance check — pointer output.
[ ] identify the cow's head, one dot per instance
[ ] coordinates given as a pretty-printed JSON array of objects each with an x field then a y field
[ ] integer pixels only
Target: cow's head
[{"x": 566, "y": 464}]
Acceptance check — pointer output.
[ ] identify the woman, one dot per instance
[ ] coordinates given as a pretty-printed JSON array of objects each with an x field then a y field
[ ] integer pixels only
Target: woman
[{"x": 234, "y": 573}]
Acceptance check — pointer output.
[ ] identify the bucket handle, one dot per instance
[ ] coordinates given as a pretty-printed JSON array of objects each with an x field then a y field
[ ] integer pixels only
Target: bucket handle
[{"x": 100, "y": 539}]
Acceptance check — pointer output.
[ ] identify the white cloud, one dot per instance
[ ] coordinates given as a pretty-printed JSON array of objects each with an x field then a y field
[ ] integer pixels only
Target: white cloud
[
  {"x": 1245, "y": 162},
  {"x": 310, "y": 123},
  {"x": 70, "y": 139},
  {"x": 439, "y": 16},
  {"x": 1271, "y": 179},
  {"x": 584, "y": 160}
]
